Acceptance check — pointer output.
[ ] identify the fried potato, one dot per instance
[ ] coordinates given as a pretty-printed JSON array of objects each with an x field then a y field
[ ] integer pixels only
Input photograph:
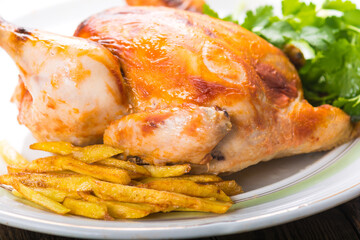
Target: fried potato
[
  {"x": 66, "y": 182},
  {"x": 62, "y": 148},
  {"x": 87, "y": 209},
  {"x": 13, "y": 169},
  {"x": 54, "y": 194},
  {"x": 230, "y": 188},
  {"x": 126, "y": 210},
  {"x": 135, "y": 171},
  {"x": 94, "y": 153},
  {"x": 123, "y": 193},
  {"x": 80, "y": 172},
  {"x": 168, "y": 171},
  {"x": 11, "y": 156},
  {"x": 88, "y": 154},
  {"x": 46, "y": 164},
  {"x": 187, "y": 187},
  {"x": 38, "y": 198},
  {"x": 17, "y": 194},
  {"x": 200, "y": 178},
  {"x": 57, "y": 163},
  {"x": 195, "y": 178},
  {"x": 110, "y": 174},
  {"x": 121, "y": 209}
]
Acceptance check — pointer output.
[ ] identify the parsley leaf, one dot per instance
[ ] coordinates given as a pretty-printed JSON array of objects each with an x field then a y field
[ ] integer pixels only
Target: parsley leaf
[
  {"x": 209, "y": 11},
  {"x": 259, "y": 19},
  {"x": 352, "y": 17},
  {"x": 339, "y": 5},
  {"x": 350, "y": 105},
  {"x": 278, "y": 33},
  {"x": 319, "y": 38}
]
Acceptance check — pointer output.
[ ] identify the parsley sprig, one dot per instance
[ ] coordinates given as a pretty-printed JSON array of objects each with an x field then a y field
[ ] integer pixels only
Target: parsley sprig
[{"x": 329, "y": 37}]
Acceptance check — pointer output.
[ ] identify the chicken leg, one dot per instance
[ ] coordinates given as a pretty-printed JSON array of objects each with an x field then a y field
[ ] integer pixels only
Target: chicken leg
[{"x": 70, "y": 88}]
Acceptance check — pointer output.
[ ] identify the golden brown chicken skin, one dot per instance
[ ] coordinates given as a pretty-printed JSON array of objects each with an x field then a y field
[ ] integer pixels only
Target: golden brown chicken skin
[
  {"x": 185, "y": 133},
  {"x": 171, "y": 57},
  {"x": 191, "y": 5}
]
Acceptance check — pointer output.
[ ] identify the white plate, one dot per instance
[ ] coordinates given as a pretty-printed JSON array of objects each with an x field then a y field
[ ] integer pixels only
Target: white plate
[{"x": 278, "y": 191}]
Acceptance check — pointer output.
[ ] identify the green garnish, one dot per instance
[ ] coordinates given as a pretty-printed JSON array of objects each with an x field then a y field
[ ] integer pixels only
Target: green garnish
[{"x": 329, "y": 37}]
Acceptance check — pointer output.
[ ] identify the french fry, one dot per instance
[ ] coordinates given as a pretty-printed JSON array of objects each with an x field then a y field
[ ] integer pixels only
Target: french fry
[
  {"x": 230, "y": 188},
  {"x": 66, "y": 182},
  {"x": 88, "y": 154},
  {"x": 73, "y": 195},
  {"x": 135, "y": 170},
  {"x": 94, "y": 153},
  {"x": 17, "y": 194},
  {"x": 187, "y": 187},
  {"x": 100, "y": 172},
  {"x": 57, "y": 163},
  {"x": 46, "y": 164},
  {"x": 121, "y": 209},
  {"x": 87, "y": 209},
  {"x": 38, "y": 198},
  {"x": 195, "y": 178},
  {"x": 54, "y": 194},
  {"x": 13, "y": 169},
  {"x": 126, "y": 210},
  {"x": 11, "y": 156},
  {"x": 200, "y": 178},
  {"x": 123, "y": 193},
  {"x": 168, "y": 171},
  {"x": 72, "y": 180},
  {"x": 62, "y": 148}
]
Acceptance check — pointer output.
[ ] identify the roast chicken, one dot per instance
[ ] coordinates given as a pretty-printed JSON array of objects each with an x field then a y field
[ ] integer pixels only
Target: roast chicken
[
  {"x": 168, "y": 86},
  {"x": 190, "y": 5}
]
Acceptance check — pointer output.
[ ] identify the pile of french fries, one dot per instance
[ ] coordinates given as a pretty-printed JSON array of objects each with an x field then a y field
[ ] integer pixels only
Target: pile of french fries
[{"x": 91, "y": 182}]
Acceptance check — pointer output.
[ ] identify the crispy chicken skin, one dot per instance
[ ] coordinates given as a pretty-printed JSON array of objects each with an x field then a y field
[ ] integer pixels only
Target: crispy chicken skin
[
  {"x": 190, "y": 5},
  {"x": 186, "y": 133},
  {"x": 188, "y": 79},
  {"x": 170, "y": 57}
]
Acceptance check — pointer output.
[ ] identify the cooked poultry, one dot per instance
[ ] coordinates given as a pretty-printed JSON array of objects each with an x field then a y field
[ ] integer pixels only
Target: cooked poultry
[
  {"x": 181, "y": 134},
  {"x": 188, "y": 78},
  {"x": 170, "y": 57},
  {"x": 191, "y": 5},
  {"x": 64, "y": 84}
]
